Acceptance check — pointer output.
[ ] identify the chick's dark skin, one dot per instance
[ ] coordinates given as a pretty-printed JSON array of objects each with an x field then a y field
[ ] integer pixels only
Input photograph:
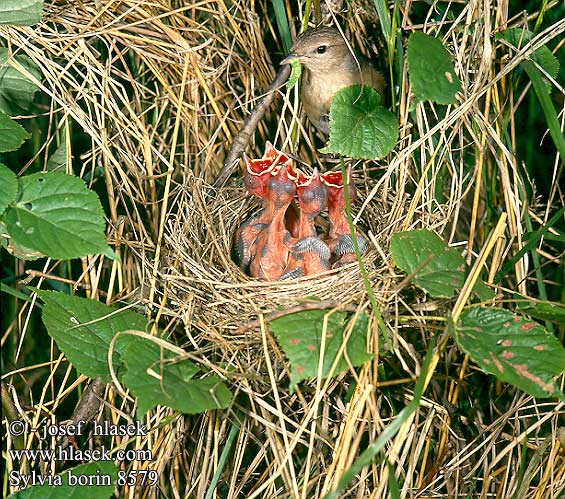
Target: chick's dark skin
[{"x": 329, "y": 66}]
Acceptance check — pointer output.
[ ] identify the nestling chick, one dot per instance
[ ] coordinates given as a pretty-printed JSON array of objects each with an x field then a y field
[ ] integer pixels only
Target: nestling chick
[
  {"x": 329, "y": 67},
  {"x": 256, "y": 177},
  {"x": 339, "y": 237},
  {"x": 272, "y": 244}
]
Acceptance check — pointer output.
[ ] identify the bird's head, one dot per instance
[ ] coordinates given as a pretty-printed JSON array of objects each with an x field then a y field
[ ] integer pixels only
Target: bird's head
[
  {"x": 321, "y": 50},
  {"x": 312, "y": 193}
]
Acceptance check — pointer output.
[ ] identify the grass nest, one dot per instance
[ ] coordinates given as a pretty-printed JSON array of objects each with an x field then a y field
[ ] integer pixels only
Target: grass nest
[{"x": 202, "y": 280}]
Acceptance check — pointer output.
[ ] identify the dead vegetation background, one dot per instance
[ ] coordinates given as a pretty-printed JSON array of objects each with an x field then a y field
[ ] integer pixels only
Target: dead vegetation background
[{"x": 157, "y": 91}]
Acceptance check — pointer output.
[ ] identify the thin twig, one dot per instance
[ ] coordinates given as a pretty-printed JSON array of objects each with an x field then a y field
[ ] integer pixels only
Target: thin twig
[{"x": 244, "y": 136}]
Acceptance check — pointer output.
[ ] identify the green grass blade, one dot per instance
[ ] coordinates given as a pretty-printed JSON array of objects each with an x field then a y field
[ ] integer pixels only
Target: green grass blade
[
  {"x": 542, "y": 91},
  {"x": 282, "y": 23},
  {"x": 223, "y": 459},
  {"x": 382, "y": 11},
  {"x": 532, "y": 242},
  {"x": 369, "y": 454}
]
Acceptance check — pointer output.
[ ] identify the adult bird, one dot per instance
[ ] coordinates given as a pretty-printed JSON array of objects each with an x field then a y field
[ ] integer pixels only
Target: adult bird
[{"x": 329, "y": 65}]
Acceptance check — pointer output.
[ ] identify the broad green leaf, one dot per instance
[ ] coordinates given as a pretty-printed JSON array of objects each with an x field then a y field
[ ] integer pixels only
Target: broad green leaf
[
  {"x": 58, "y": 160},
  {"x": 8, "y": 187},
  {"x": 12, "y": 134},
  {"x": 57, "y": 215},
  {"x": 83, "y": 330},
  {"x": 16, "y": 90},
  {"x": 15, "y": 249},
  {"x": 445, "y": 271},
  {"x": 156, "y": 377},
  {"x": 300, "y": 336},
  {"x": 439, "y": 269},
  {"x": 519, "y": 38},
  {"x": 431, "y": 70},
  {"x": 65, "y": 484},
  {"x": 544, "y": 310},
  {"x": 483, "y": 291},
  {"x": 359, "y": 126},
  {"x": 21, "y": 12},
  {"x": 513, "y": 348}
]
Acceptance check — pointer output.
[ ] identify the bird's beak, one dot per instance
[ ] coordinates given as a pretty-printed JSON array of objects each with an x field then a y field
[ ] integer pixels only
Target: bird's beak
[{"x": 290, "y": 58}]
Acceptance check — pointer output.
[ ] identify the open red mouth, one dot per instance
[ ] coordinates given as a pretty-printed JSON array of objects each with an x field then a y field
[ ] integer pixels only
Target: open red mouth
[{"x": 282, "y": 241}]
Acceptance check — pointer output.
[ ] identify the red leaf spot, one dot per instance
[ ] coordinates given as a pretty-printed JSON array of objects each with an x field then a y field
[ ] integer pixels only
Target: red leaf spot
[
  {"x": 528, "y": 326},
  {"x": 539, "y": 348},
  {"x": 507, "y": 355},
  {"x": 478, "y": 329},
  {"x": 516, "y": 319},
  {"x": 522, "y": 370},
  {"x": 312, "y": 348},
  {"x": 295, "y": 341},
  {"x": 486, "y": 361},
  {"x": 506, "y": 324},
  {"x": 506, "y": 343},
  {"x": 498, "y": 365},
  {"x": 299, "y": 370}
]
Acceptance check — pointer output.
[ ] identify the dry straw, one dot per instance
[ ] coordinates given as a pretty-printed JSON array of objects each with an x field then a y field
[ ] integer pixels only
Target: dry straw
[{"x": 158, "y": 90}]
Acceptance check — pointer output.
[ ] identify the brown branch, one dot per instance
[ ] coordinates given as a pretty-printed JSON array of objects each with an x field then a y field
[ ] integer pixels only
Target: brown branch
[
  {"x": 244, "y": 136},
  {"x": 87, "y": 406}
]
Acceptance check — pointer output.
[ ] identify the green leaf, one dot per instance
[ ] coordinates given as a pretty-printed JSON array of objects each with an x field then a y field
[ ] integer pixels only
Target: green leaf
[
  {"x": 282, "y": 23},
  {"x": 16, "y": 90},
  {"x": 431, "y": 71},
  {"x": 483, "y": 291},
  {"x": 9, "y": 183},
  {"x": 58, "y": 160},
  {"x": 83, "y": 330},
  {"x": 21, "y": 12},
  {"x": 439, "y": 269},
  {"x": 300, "y": 336},
  {"x": 156, "y": 377},
  {"x": 15, "y": 249},
  {"x": 514, "y": 349},
  {"x": 359, "y": 126},
  {"x": 65, "y": 484},
  {"x": 519, "y": 38},
  {"x": 12, "y": 134},
  {"x": 543, "y": 310},
  {"x": 57, "y": 215},
  {"x": 445, "y": 271}
]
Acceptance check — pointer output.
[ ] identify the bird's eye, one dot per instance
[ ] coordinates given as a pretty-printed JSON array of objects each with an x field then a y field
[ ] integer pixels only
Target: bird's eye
[{"x": 322, "y": 49}]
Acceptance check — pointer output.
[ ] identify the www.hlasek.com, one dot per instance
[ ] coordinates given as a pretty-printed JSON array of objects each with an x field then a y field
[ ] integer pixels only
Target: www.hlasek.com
[{"x": 63, "y": 453}]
